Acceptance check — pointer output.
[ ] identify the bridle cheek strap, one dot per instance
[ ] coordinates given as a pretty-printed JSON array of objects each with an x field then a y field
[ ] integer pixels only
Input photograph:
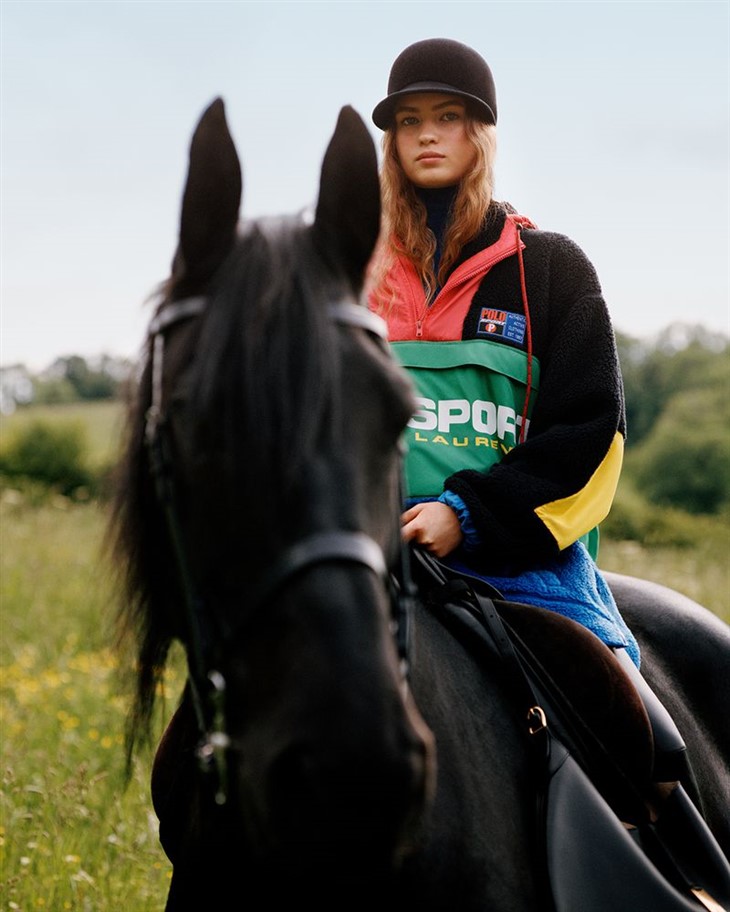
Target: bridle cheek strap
[{"x": 207, "y": 685}]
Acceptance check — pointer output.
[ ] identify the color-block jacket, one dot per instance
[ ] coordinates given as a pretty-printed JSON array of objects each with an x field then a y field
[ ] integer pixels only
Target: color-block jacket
[{"x": 521, "y": 410}]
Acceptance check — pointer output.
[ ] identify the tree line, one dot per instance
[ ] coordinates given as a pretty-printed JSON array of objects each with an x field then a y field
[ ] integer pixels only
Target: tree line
[
  {"x": 677, "y": 389},
  {"x": 68, "y": 379}
]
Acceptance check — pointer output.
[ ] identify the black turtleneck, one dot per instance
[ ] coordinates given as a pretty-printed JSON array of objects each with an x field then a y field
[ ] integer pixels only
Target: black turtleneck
[{"x": 438, "y": 202}]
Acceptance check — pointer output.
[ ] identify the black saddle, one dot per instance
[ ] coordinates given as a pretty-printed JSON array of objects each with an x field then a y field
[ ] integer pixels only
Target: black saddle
[{"x": 618, "y": 827}]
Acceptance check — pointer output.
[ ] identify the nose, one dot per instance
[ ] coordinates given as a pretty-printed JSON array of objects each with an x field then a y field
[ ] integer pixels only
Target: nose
[{"x": 428, "y": 133}]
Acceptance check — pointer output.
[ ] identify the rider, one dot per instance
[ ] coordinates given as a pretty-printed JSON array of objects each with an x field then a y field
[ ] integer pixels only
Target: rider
[{"x": 515, "y": 450}]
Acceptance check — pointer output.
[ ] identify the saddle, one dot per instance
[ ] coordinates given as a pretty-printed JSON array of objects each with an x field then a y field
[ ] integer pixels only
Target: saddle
[{"x": 617, "y": 827}]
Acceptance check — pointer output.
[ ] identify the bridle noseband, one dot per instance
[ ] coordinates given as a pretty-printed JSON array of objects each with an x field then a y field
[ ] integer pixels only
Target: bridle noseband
[{"x": 207, "y": 685}]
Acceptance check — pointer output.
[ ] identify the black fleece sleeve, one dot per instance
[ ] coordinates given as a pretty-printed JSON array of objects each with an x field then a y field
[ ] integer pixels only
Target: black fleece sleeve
[{"x": 560, "y": 482}]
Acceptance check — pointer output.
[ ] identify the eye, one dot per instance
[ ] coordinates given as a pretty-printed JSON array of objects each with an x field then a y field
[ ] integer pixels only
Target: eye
[
  {"x": 451, "y": 115},
  {"x": 408, "y": 120}
]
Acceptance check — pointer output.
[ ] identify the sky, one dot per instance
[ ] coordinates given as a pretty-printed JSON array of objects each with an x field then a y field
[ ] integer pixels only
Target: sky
[{"x": 613, "y": 129}]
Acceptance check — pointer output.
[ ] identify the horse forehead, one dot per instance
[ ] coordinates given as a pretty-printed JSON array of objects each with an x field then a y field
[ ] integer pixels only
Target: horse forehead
[
  {"x": 274, "y": 226},
  {"x": 277, "y": 231}
]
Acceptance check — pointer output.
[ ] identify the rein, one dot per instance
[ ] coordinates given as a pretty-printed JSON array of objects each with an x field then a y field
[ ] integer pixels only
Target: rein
[{"x": 206, "y": 684}]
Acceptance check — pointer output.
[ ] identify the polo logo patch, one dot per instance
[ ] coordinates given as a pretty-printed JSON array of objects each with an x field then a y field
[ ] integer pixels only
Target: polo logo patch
[{"x": 493, "y": 322}]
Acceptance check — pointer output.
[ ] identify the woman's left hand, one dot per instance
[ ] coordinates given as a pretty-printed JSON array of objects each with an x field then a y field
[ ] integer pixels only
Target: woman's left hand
[{"x": 434, "y": 525}]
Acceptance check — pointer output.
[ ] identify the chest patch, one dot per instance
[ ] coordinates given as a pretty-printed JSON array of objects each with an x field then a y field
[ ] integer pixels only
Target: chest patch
[{"x": 494, "y": 323}]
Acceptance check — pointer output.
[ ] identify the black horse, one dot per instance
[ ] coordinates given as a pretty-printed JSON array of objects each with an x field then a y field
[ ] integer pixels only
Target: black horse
[{"x": 325, "y": 752}]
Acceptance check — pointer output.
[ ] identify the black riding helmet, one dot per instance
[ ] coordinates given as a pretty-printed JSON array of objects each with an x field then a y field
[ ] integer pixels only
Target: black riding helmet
[{"x": 440, "y": 65}]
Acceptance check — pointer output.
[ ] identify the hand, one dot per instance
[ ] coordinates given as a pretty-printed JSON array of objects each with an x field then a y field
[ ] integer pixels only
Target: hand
[{"x": 434, "y": 525}]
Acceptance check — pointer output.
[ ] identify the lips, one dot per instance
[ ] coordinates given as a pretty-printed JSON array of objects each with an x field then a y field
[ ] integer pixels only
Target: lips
[{"x": 430, "y": 156}]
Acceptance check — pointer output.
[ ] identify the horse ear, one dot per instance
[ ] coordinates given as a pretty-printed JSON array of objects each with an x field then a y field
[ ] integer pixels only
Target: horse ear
[
  {"x": 211, "y": 199},
  {"x": 347, "y": 220}
]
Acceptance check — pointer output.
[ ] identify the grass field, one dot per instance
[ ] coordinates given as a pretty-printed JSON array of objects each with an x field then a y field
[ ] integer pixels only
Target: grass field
[
  {"x": 701, "y": 572},
  {"x": 72, "y": 836}
]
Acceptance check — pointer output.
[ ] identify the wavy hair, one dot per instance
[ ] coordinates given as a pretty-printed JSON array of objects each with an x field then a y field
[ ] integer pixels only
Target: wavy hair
[{"x": 404, "y": 230}]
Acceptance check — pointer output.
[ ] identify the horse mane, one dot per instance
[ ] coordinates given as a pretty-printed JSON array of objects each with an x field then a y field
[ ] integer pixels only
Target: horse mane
[
  {"x": 265, "y": 370},
  {"x": 258, "y": 383}
]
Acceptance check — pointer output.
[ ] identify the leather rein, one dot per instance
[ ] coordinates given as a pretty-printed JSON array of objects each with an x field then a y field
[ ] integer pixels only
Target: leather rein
[{"x": 206, "y": 684}]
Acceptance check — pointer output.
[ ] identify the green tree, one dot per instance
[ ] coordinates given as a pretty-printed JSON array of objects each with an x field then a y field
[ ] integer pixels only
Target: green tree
[
  {"x": 88, "y": 382},
  {"x": 682, "y": 358},
  {"x": 685, "y": 460}
]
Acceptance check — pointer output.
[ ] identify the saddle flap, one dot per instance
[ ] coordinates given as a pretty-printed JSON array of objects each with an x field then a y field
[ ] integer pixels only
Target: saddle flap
[
  {"x": 593, "y": 862},
  {"x": 591, "y": 701},
  {"x": 595, "y": 706}
]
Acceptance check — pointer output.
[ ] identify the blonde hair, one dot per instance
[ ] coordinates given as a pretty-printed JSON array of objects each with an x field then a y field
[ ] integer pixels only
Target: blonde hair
[{"x": 404, "y": 230}]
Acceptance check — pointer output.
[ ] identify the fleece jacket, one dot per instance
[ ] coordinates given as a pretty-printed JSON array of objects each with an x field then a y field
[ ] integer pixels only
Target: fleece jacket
[{"x": 534, "y": 292}]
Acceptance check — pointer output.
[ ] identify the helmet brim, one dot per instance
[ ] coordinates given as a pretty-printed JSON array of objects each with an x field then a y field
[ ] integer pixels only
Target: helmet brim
[{"x": 384, "y": 112}]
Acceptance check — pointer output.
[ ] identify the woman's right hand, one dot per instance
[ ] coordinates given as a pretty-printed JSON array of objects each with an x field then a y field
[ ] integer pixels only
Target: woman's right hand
[{"x": 434, "y": 526}]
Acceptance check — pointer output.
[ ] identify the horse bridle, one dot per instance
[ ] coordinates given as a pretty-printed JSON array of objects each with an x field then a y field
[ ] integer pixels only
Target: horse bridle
[{"x": 207, "y": 684}]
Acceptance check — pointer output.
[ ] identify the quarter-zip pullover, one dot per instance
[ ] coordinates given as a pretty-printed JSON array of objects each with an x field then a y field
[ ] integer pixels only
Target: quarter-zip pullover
[{"x": 515, "y": 288}]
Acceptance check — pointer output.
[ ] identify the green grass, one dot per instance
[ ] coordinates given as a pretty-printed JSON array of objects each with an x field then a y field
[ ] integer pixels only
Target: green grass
[
  {"x": 702, "y": 572},
  {"x": 73, "y": 835},
  {"x": 689, "y": 553}
]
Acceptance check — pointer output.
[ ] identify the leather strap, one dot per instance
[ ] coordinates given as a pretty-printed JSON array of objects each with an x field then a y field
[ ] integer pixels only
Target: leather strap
[{"x": 674, "y": 861}]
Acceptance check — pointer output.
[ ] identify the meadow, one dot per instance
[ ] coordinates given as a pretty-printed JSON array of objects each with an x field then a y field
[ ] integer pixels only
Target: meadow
[{"x": 74, "y": 834}]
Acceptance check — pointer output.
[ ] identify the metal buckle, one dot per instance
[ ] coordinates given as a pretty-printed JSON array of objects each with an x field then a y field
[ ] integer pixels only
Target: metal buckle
[{"x": 536, "y": 720}]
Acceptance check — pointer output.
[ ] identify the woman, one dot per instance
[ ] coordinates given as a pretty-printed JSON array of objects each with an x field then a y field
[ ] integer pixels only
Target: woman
[{"x": 515, "y": 450}]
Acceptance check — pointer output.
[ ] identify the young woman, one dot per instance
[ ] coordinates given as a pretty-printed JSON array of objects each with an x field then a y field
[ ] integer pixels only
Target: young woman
[{"x": 515, "y": 450}]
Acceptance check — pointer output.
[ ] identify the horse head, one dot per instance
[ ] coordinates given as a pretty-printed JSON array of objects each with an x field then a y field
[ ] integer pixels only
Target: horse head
[{"x": 258, "y": 517}]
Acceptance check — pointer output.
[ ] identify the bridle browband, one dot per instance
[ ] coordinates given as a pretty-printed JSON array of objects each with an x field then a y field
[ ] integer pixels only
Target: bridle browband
[{"x": 206, "y": 684}]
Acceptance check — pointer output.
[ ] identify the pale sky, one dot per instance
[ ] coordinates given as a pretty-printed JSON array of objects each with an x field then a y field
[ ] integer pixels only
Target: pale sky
[{"x": 613, "y": 129}]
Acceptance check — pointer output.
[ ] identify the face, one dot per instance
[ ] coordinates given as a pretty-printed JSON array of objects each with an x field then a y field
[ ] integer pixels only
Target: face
[{"x": 431, "y": 140}]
